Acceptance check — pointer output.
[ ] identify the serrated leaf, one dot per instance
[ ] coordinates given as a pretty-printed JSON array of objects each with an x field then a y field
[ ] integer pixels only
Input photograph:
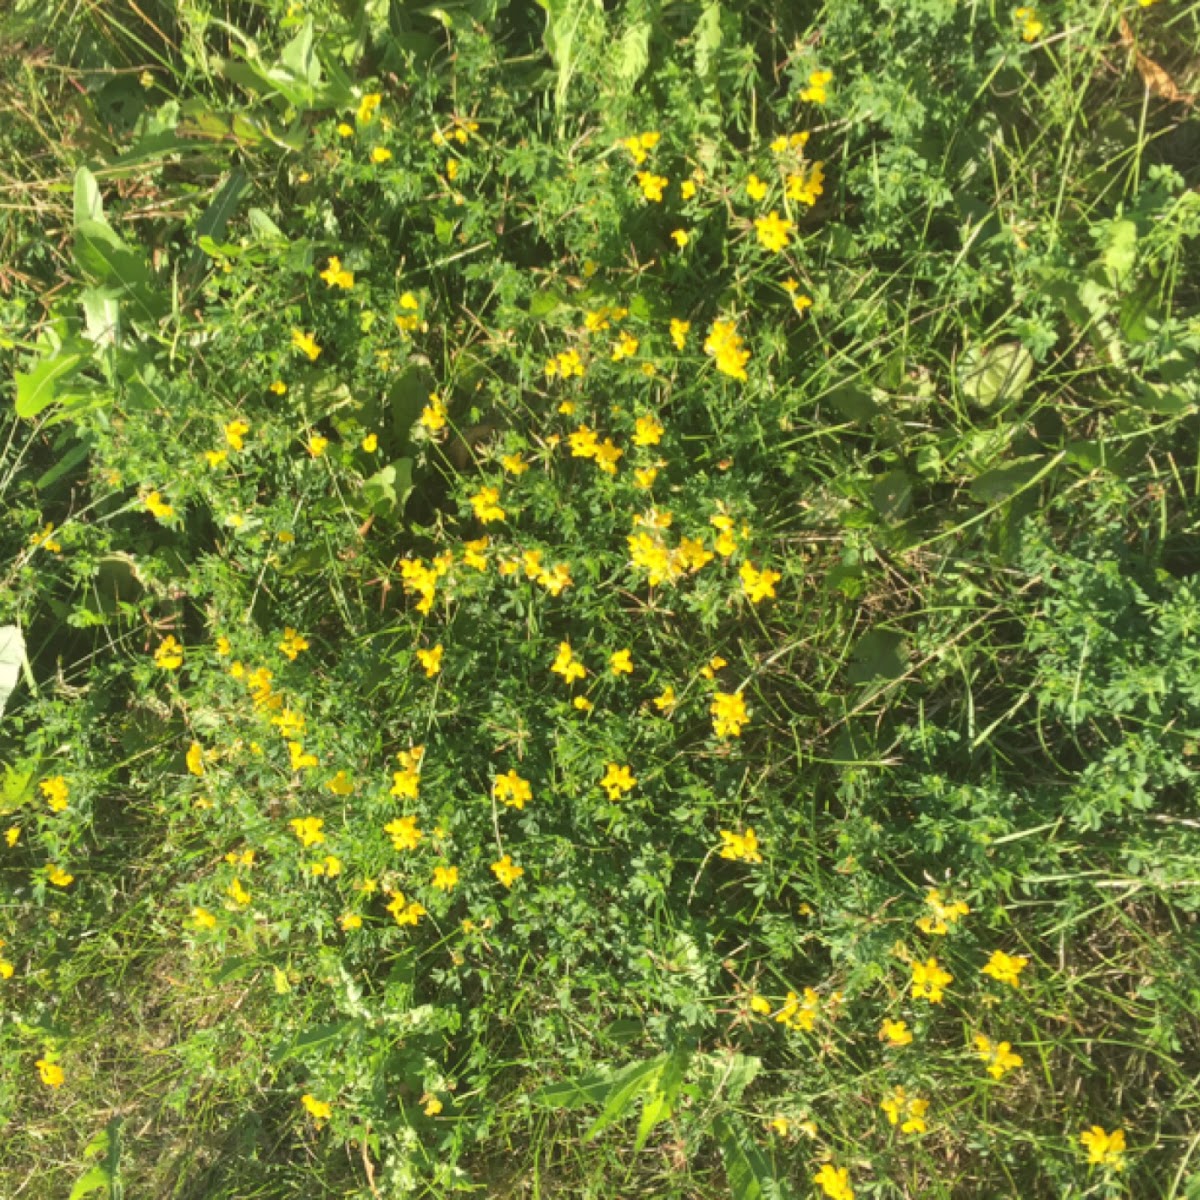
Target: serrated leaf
[{"x": 633, "y": 52}]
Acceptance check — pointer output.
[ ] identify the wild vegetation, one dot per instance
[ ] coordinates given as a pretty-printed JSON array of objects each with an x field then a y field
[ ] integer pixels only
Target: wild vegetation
[{"x": 599, "y": 599}]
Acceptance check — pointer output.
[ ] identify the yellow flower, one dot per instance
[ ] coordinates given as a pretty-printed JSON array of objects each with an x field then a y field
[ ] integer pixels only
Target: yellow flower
[
  {"x": 306, "y": 343},
  {"x": 679, "y": 332},
  {"x": 804, "y": 188},
  {"x": 895, "y": 1033},
  {"x": 647, "y": 432},
  {"x": 760, "y": 1005},
  {"x": 506, "y": 871},
  {"x": 999, "y": 1056},
  {"x": 644, "y": 477},
  {"x": 216, "y": 457},
  {"x": 445, "y": 879},
  {"x": 620, "y": 662},
  {"x": 756, "y": 189},
  {"x": 626, "y": 347},
  {"x": 680, "y": 237},
  {"x": 433, "y": 415},
  {"x": 405, "y": 912},
  {"x": 335, "y": 275},
  {"x": 404, "y": 833},
  {"x": 473, "y": 553},
  {"x": 818, "y": 81},
  {"x": 237, "y": 893},
  {"x": 203, "y": 919},
  {"x": 514, "y": 464},
  {"x": 512, "y": 790},
  {"x": 567, "y": 665},
  {"x": 278, "y": 387},
  {"x": 431, "y": 660},
  {"x": 56, "y": 791},
  {"x": 330, "y": 867},
  {"x": 942, "y": 915},
  {"x": 51, "y": 1073},
  {"x": 906, "y": 1111},
  {"x": 756, "y": 584},
  {"x": 774, "y": 232},
  {"x": 583, "y": 704},
  {"x": 1005, "y": 968},
  {"x": 317, "y": 1109},
  {"x": 1032, "y": 26},
  {"x": 195, "y": 760},
  {"x": 652, "y": 185},
  {"x": 367, "y": 106},
  {"x": 380, "y": 154},
  {"x": 607, "y": 455},
  {"x": 45, "y": 540},
  {"x": 349, "y": 921},
  {"x": 665, "y": 700},
  {"x": 727, "y": 349},
  {"x": 452, "y": 169},
  {"x": 370, "y": 443},
  {"x": 57, "y": 876},
  {"x": 1106, "y": 1149},
  {"x": 929, "y": 980},
  {"x": 159, "y": 507},
  {"x": 714, "y": 664},
  {"x": 12, "y": 835},
  {"x": 583, "y": 442},
  {"x": 431, "y": 1105},
  {"x": 729, "y": 714},
  {"x": 341, "y": 784},
  {"x": 316, "y": 445},
  {"x": 687, "y": 189},
  {"x": 617, "y": 781},
  {"x": 741, "y": 847},
  {"x": 835, "y": 1182},
  {"x": 308, "y": 830},
  {"x": 169, "y": 655},
  {"x": 293, "y": 643},
  {"x": 486, "y": 506}
]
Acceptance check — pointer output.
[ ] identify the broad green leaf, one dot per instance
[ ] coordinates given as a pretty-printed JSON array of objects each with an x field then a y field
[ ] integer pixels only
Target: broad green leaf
[
  {"x": 12, "y": 656},
  {"x": 995, "y": 376},
  {"x": 39, "y": 388},
  {"x": 89, "y": 206},
  {"x": 1120, "y": 251},
  {"x": 108, "y": 261},
  {"x": 299, "y": 58},
  {"x": 101, "y": 316},
  {"x": 215, "y": 217},
  {"x": 388, "y": 490},
  {"x": 1001, "y": 482},
  {"x": 661, "y": 1094},
  {"x": 95, "y": 1179},
  {"x": 708, "y": 41},
  {"x": 627, "y": 1085},
  {"x": 633, "y": 52},
  {"x": 747, "y": 1171}
]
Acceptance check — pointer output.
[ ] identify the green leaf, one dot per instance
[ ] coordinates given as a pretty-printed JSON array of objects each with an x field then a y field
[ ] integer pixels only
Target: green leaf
[
  {"x": 89, "y": 205},
  {"x": 1120, "y": 251},
  {"x": 708, "y": 41},
  {"x": 94, "y": 1179},
  {"x": 12, "y": 656},
  {"x": 746, "y": 1169},
  {"x": 995, "y": 376},
  {"x": 215, "y": 217},
  {"x": 662, "y": 1092},
  {"x": 1001, "y": 482},
  {"x": 626, "y": 1085},
  {"x": 633, "y": 52},
  {"x": 41, "y": 387},
  {"x": 387, "y": 491},
  {"x": 101, "y": 316},
  {"x": 108, "y": 261}
]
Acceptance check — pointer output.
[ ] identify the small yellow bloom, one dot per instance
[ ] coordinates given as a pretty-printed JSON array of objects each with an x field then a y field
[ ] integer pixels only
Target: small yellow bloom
[
  {"x": 317, "y": 1109},
  {"x": 741, "y": 847},
  {"x": 445, "y": 879},
  {"x": 835, "y": 1182},
  {"x": 774, "y": 232},
  {"x": 405, "y": 912},
  {"x": 999, "y": 1056},
  {"x": 216, "y": 457},
  {"x": 647, "y": 432},
  {"x": 758, "y": 585},
  {"x": 293, "y": 643},
  {"x": 617, "y": 781},
  {"x": 929, "y": 980},
  {"x": 818, "y": 82},
  {"x": 729, "y": 714},
  {"x": 485, "y": 502},
  {"x": 431, "y": 1105},
  {"x": 687, "y": 189},
  {"x": 350, "y": 921},
  {"x": 431, "y": 660},
  {"x": 203, "y": 919},
  {"x": 46, "y": 540},
  {"x": 726, "y": 348},
  {"x": 1105, "y": 1149},
  {"x": 237, "y": 893},
  {"x": 679, "y": 332},
  {"x": 512, "y": 790},
  {"x": 169, "y": 655},
  {"x": 680, "y": 237},
  {"x": 51, "y": 1073},
  {"x": 308, "y": 830},
  {"x": 942, "y": 915},
  {"x": 1005, "y": 968},
  {"x": 652, "y": 185},
  {"x": 895, "y": 1033},
  {"x": 370, "y": 443},
  {"x": 341, "y": 784},
  {"x": 1032, "y": 26},
  {"x": 57, "y": 876},
  {"x": 159, "y": 507},
  {"x": 626, "y": 346},
  {"x": 195, "y": 760},
  {"x": 506, "y": 871},
  {"x": 380, "y": 155},
  {"x": 474, "y": 553},
  {"x": 644, "y": 477},
  {"x": 433, "y": 415},
  {"x": 367, "y": 106},
  {"x": 620, "y": 662},
  {"x": 278, "y": 387},
  {"x": 12, "y": 835},
  {"x": 335, "y": 275},
  {"x": 567, "y": 665},
  {"x": 56, "y": 791},
  {"x": 404, "y": 833},
  {"x": 583, "y": 704},
  {"x": 756, "y": 189},
  {"x": 906, "y": 1111},
  {"x": 665, "y": 701},
  {"x": 306, "y": 344}
]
